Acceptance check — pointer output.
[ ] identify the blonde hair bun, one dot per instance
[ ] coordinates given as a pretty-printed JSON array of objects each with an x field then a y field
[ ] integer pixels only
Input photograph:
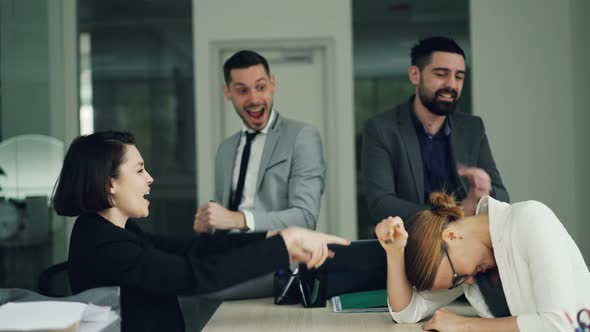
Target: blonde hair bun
[{"x": 445, "y": 206}]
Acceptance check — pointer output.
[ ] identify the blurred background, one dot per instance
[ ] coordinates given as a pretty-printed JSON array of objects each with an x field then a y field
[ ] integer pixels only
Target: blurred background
[{"x": 153, "y": 67}]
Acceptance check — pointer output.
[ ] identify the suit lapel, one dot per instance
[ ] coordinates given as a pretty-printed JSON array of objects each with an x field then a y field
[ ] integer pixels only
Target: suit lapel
[
  {"x": 270, "y": 144},
  {"x": 227, "y": 165},
  {"x": 408, "y": 134}
]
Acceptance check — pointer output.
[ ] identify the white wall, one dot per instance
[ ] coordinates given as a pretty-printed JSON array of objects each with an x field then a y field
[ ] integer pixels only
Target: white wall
[
  {"x": 258, "y": 20},
  {"x": 580, "y": 10},
  {"x": 525, "y": 87}
]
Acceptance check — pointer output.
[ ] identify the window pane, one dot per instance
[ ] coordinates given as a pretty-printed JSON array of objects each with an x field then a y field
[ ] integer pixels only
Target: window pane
[{"x": 136, "y": 74}]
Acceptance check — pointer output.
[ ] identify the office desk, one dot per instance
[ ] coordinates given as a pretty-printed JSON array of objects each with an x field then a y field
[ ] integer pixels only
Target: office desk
[{"x": 260, "y": 315}]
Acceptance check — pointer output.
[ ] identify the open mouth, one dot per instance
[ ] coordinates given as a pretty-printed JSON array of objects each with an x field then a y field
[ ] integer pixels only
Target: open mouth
[
  {"x": 255, "y": 112},
  {"x": 448, "y": 96},
  {"x": 146, "y": 195}
]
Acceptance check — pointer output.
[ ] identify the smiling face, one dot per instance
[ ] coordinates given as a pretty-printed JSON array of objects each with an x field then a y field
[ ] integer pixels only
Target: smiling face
[
  {"x": 129, "y": 189},
  {"x": 439, "y": 84},
  {"x": 251, "y": 92}
]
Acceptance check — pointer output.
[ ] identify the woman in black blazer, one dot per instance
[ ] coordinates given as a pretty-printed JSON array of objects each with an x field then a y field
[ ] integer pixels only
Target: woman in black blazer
[{"x": 103, "y": 181}]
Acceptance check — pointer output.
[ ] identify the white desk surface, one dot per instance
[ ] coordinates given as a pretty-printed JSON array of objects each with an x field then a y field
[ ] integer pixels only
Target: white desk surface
[{"x": 262, "y": 315}]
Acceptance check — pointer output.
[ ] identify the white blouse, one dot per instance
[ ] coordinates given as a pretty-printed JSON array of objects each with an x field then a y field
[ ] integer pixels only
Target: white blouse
[{"x": 542, "y": 270}]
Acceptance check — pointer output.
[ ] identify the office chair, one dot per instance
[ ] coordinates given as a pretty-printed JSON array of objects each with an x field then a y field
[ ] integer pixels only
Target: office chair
[{"x": 54, "y": 281}]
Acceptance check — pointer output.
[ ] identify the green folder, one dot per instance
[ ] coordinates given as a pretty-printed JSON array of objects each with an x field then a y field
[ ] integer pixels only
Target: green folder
[{"x": 369, "y": 301}]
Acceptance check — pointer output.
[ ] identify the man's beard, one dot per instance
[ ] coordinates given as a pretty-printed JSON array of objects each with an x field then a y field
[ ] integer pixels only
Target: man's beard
[{"x": 437, "y": 107}]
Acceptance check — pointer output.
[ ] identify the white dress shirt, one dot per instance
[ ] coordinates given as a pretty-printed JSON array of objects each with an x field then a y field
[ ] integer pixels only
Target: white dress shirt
[
  {"x": 542, "y": 270},
  {"x": 256, "y": 149}
]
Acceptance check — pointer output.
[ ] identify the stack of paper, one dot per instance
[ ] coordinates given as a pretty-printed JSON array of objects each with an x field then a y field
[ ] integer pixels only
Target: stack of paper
[
  {"x": 54, "y": 316},
  {"x": 96, "y": 318},
  {"x": 46, "y": 315}
]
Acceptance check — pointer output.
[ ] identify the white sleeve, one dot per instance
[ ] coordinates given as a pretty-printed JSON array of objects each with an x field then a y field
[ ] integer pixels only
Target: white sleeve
[
  {"x": 249, "y": 220},
  {"x": 424, "y": 304},
  {"x": 546, "y": 247}
]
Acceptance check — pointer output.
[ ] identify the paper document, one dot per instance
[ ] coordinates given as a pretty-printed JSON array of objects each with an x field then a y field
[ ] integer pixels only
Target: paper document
[
  {"x": 55, "y": 316},
  {"x": 96, "y": 318},
  {"x": 44, "y": 315}
]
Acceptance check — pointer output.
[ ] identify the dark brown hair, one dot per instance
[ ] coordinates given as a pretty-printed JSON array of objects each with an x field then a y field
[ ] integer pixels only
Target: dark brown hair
[
  {"x": 421, "y": 54},
  {"x": 241, "y": 60},
  {"x": 423, "y": 252},
  {"x": 89, "y": 165}
]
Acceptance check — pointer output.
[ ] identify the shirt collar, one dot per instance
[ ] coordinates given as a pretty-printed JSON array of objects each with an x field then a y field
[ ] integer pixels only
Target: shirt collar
[
  {"x": 498, "y": 216},
  {"x": 269, "y": 123},
  {"x": 419, "y": 126}
]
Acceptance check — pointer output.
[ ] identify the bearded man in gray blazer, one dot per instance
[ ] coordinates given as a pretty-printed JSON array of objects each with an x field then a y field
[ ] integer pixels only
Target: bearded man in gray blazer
[
  {"x": 269, "y": 175},
  {"x": 423, "y": 145},
  {"x": 419, "y": 147}
]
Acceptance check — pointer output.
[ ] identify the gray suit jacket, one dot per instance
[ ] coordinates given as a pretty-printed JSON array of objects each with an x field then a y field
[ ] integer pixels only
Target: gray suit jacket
[
  {"x": 290, "y": 179},
  {"x": 392, "y": 163}
]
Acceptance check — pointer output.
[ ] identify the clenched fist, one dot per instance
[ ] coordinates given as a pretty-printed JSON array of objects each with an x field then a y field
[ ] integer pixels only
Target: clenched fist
[{"x": 392, "y": 235}]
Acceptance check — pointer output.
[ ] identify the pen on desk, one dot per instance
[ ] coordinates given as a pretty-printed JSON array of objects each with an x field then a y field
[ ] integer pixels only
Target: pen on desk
[{"x": 288, "y": 285}]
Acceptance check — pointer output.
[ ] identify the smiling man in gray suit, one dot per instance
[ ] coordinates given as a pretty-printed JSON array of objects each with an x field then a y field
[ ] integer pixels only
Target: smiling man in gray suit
[{"x": 269, "y": 175}]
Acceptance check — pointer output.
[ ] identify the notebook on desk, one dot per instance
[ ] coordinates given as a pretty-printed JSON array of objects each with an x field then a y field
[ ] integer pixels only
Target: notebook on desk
[{"x": 368, "y": 301}]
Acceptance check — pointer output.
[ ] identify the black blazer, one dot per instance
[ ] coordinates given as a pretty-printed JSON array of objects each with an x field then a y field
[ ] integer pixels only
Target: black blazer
[
  {"x": 392, "y": 164},
  {"x": 152, "y": 271}
]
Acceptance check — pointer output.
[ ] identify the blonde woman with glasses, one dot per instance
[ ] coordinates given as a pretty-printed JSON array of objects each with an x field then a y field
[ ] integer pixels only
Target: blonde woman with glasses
[{"x": 523, "y": 245}]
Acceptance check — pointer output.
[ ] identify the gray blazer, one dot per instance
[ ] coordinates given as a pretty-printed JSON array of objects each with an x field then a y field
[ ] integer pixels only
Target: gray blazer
[
  {"x": 290, "y": 179},
  {"x": 392, "y": 163}
]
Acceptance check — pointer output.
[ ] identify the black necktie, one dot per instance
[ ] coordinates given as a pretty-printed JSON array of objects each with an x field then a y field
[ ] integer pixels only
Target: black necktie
[{"x": 235, "y": 203}]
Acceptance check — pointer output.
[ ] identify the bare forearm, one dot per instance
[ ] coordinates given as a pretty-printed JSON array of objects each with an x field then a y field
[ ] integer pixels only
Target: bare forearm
[
  {"x": 399, "y": 290},
  {"x": 476, "y": 324}
]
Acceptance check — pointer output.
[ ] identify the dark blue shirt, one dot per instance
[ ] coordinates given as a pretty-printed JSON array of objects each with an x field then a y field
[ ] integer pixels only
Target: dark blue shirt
[
  {"x": 437, "y": 164},
  {"x": 440, "y": 175}
]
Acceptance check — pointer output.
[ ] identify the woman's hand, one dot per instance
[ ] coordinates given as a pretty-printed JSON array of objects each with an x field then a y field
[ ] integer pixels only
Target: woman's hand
[
  {"x": 392, "y": 235},
  {"x": 310, "y": 247},
  {"x": 444, "y": 320}
]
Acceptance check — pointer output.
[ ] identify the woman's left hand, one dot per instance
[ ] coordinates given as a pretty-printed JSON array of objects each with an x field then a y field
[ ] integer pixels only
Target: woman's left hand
[{"x": 444, "y": 320}]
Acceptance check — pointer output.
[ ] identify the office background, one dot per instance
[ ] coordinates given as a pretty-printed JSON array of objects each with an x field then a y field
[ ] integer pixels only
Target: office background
[{"x": 151, "y": 66}]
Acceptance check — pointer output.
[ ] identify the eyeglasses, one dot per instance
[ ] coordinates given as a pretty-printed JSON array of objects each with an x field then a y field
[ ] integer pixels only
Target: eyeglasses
[{"x": 457, "y": 279}]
